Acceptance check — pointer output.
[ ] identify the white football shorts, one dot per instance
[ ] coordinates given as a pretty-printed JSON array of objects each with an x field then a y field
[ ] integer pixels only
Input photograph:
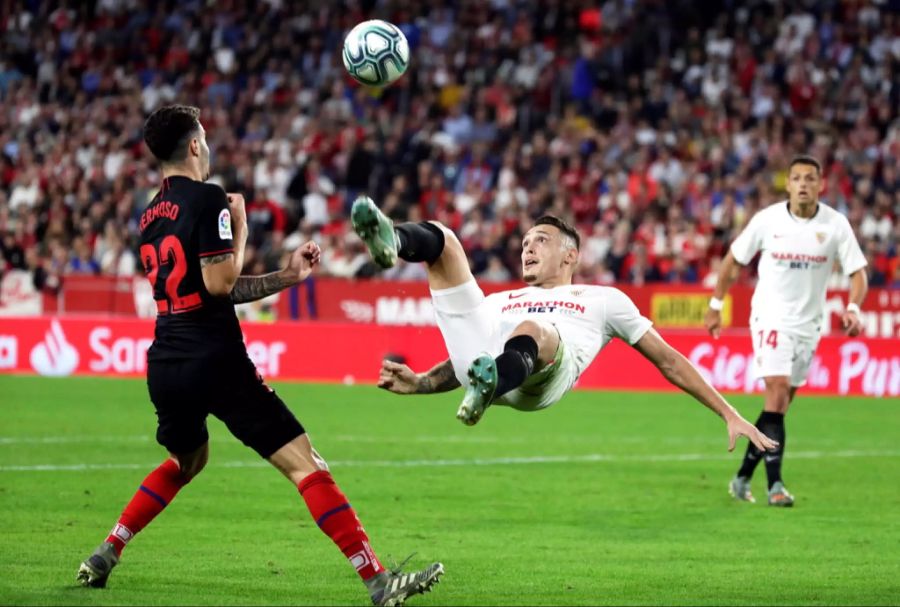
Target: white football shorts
[
  {"x": 777, "y": 353},
  {"x": 469, "y": 329}
]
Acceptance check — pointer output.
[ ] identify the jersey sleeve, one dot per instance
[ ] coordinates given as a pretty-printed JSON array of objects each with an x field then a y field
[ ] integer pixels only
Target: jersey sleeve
[
  {"x": 749, "y": 242},
  {"x": 849, "y": 253},
  {"x": 623, "y": 319},
  {"x": 214, "y": 228}
]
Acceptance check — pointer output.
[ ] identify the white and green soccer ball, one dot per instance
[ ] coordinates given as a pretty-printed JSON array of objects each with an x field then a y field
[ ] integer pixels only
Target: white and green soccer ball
[{"x": 376, "y": 53}]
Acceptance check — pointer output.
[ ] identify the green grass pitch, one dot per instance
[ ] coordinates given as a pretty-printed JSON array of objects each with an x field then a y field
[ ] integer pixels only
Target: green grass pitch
[{"x": 606, "y": 498}]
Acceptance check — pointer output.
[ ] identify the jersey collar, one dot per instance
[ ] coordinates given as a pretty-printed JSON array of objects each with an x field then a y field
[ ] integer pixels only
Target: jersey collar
[{"x": 787, "y": 205}]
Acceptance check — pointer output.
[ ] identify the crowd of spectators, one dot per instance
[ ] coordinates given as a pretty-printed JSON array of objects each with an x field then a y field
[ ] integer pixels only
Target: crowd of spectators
[{"x": 655, "y": 127}]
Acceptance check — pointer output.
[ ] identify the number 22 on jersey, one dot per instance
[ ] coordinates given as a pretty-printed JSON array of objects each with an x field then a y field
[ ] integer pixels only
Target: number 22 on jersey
[{"x": 174, "y": 266}]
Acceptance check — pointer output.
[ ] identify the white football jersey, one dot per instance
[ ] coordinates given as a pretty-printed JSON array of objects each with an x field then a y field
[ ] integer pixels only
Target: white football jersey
[
  {"x": 797, "y": 257},
  {"x": 586, "y": 316}
]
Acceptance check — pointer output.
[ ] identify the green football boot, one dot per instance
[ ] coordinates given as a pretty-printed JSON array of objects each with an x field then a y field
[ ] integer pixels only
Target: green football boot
[
  {"x": 480, "y": 392},
  {"x": 376, "y": 230}
]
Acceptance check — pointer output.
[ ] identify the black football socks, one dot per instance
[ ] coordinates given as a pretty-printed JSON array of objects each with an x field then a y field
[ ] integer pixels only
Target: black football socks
[
  {"x": 752, "y": 455},
  {"x": 422, "y": 241},
  {"x": 772, "y": 425},
  {"x": 516, "y": 363}
]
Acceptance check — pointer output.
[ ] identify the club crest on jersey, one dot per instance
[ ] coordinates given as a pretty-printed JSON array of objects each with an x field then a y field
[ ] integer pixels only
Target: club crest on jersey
[
  {"x": 225, "y": 225},
  {"x": 577, "y": 292},
  {"x": 821, "y": 236}
]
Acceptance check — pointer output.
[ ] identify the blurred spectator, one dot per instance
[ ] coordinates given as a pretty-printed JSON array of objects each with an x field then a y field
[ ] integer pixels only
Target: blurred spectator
[
  {"x": 12, "y": 256},
  {"x": 81, "y": 261},
  {"x": 681, "y": 272},
  {"x": 117, "y": 260},
  {"x": 495, "y": 271}
]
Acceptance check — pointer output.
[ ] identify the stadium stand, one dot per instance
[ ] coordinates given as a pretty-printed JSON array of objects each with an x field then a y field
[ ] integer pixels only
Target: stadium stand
[{"x": 659, "y": 129}]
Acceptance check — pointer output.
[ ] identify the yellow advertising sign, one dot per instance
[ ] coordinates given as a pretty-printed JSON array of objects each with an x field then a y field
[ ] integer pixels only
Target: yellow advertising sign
[{"x": 684, "y": 310}]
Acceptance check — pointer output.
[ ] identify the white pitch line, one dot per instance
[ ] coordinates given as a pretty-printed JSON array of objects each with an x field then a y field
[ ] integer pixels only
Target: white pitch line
[
  {"x": 352, "y": 438},
  {"x": 54, "y": 440},
  {"x": 490, "y": 461},
  {"x": 446, "y": 438},
  {"x": 343, "y": 438}
]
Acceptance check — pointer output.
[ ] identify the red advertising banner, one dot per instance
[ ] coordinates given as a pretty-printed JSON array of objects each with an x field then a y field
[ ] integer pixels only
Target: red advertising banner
[
  {"x": 397, "y": 303},
  {"x": 349, "y": 352}
]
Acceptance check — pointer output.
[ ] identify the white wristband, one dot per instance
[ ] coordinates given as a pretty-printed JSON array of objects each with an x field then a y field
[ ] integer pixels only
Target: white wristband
[
  {"x": 716, "y": 304},
  {"x": 852, "y": 307}
]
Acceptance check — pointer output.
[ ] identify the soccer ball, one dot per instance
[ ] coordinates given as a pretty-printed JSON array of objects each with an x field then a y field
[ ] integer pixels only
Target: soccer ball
[{"x": 376, "y": 53}]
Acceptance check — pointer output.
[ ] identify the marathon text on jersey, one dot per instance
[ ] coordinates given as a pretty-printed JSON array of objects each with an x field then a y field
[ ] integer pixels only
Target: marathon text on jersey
[
  {"x": 780, "y": 256},
  {"x": 549, "y": 306}
]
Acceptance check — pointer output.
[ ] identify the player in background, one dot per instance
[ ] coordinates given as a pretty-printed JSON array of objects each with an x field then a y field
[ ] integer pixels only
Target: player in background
[
  {"x": 799, "y": 239},
  {"x": 523, "y": 348},
  {"x": 192, "y": 247}
]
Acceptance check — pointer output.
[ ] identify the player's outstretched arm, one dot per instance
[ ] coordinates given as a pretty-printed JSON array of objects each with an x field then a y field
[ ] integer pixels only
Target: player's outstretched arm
[
  {"x": 680, "y": 372},
  {"x": 301, "y": 263},
  {"x": 400, "y": 379}
]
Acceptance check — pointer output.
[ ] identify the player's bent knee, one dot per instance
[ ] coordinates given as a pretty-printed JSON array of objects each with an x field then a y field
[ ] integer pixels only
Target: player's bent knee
[
  {"x": 192, "y": 466},
  {"x": 543, "y": 333},
  {"x": 452, "y": 245},
  {"x": 533, "y": 328}
]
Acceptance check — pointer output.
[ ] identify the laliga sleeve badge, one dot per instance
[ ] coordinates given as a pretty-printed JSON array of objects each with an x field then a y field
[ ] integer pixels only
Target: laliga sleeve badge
[{"x": 225, "y": 225}]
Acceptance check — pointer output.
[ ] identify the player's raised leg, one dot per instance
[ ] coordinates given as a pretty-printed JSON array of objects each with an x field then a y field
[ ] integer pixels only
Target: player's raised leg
[
  {"x": 334, "y": 515},
  {"x": 456, "y": 296},
  {"x": 427, "y": 241},
  {"x": 153, "y": 495},
  {"x": 530, "y": 347}
]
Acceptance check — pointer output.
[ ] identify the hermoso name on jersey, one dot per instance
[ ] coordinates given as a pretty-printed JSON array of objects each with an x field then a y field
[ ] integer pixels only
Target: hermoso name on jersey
[{"x": 163, "y": 209}]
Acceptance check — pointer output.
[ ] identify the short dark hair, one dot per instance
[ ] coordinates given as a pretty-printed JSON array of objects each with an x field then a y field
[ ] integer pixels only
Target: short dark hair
[
  {"x": 562, "y": 226},
  {"x": 168, "y": 129},
  {"x": 805, "y": 159}
]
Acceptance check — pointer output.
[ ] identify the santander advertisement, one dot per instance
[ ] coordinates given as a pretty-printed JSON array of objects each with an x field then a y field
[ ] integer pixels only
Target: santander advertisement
[{"x": 352, "y": 353}]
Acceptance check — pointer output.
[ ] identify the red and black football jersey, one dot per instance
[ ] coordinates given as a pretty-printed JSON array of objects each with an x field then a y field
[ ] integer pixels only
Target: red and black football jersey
[{"x": 186, "y": 221}]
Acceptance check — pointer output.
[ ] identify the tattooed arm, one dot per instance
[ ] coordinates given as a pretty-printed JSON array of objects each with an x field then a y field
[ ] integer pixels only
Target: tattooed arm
[
  {"x": 251, "y": 288},
  {"x": 440, "y": 378},
  {"x": 400, "y": 379}
]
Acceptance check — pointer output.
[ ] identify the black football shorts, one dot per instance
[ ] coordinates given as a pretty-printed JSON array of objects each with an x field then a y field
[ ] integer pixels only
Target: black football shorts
[{"x": 185, "y": 391}]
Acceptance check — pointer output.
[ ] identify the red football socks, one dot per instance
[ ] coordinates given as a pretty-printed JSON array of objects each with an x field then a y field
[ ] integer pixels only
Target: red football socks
[
  {"x": 154, "y": 494},
  {"x": 326, "y": 502},
  {"x": 337, "y": 519}
]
